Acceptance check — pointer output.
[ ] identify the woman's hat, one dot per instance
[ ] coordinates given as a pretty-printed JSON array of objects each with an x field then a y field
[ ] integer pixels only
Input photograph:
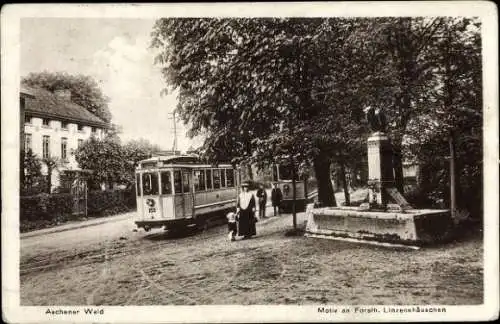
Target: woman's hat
[{"x": 245, "y": 184}]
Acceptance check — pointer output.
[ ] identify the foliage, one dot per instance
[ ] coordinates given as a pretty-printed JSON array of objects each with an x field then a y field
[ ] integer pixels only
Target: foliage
[
  {"x": 46, "y": 210},
  {"x": 135, "y": 151},
  {"x": 274, "y": 90},
  {"x": 32, "y": 169},
  {"x": 84, "y": 89},
  {"x": 110, "y": 161},
  {"x": 107, "y": 202},
  {"x": 51, "y": 163},
  {"x": 45, "y": 206},
  {"x": 105, "y": 159}
]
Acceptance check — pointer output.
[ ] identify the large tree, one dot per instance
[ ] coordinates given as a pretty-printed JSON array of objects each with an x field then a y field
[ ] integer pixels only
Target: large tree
[
  {"x": 256, "y": 87},
  {"x": 110, "y": 161},
  {"x": 106, "y": 160},
  {"x": 265, "y": 89},
  {"x": 451, "y": 127},
  {"x": 85, "y": 91}
]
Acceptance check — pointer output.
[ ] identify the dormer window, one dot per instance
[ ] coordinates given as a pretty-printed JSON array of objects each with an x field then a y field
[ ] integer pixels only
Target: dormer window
[
  {"x": 64, "y": 125},
  {"x": 46, "y": 122},
  {"x": 80, "y": 128},
  {"x": 94, "y": 130}
]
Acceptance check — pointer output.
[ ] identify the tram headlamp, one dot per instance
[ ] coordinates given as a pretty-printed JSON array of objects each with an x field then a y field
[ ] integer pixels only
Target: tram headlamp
[{"x": 150, "y": 202}]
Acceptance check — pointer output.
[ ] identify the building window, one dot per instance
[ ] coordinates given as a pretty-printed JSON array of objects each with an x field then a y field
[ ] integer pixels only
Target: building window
[
  {"x": 80, "y": 128},
  {"x": 80, "y": 143},
  {"x": 46, "y": 122},
  {"x": 64, "y": 148},
  {"x": 94, "y": 130},
  {"x": 64, "y": 125},
  {"x": 28, "y": 119},
  {"x": 46, "y": 146},
  {"x": 27, "y": 142}
]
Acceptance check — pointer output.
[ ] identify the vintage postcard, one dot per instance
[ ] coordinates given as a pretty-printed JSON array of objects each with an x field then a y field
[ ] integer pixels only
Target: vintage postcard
[{"x": 250, "y": 162}]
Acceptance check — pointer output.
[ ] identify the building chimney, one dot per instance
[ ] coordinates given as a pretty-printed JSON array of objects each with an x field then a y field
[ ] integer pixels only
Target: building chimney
[{"x": 64, "y": 94}]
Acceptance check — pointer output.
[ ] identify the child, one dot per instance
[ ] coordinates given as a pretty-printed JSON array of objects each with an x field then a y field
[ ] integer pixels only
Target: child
[{"x": 231, "y": 225}]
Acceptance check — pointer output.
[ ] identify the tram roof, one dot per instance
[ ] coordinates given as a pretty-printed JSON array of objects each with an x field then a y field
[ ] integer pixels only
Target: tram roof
[{"x": 179, "y": 160}]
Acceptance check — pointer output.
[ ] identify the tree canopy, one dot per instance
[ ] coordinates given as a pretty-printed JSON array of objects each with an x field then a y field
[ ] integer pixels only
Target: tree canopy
[
  {"x": 261, "y": 90},
  {"x": 111, "y": 161}
]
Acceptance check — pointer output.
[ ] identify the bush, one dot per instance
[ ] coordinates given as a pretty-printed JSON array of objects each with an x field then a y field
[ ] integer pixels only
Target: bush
[
  {"x": 44, "y": 210},
  {"x": 45, "y": 206},
  {"x": 110, "y": 202}
]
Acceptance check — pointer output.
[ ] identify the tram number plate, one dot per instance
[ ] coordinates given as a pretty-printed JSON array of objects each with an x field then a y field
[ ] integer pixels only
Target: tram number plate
[{"x": 152, "y": 210}]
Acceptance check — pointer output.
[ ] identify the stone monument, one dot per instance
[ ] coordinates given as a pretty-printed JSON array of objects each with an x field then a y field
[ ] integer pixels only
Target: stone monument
[{"x": 387, "y": 218}]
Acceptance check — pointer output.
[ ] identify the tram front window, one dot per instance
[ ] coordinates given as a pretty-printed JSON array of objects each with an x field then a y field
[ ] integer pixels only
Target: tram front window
[
  {"x": 185, "y": 181},
  {"x": 149, "y": 183},
  {"x": 166, "y": 183},
  {"x": 138, "y": 184},
  {"x": 177, "y": 182},
  {"x": 199, "y": 182}
]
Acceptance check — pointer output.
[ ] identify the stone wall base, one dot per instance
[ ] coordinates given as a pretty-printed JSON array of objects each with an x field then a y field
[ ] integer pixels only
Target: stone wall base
[{"x": 416, "y": 227}]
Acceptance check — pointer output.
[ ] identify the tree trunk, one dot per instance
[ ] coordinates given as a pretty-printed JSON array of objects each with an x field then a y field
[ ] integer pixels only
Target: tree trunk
[
  {"x": 321, "y": 165},
  {"x": 49, "y": 179},
  {"x": 344, "y": 183},
  {"x": 294, "y": 188},
  {"x": 250, "y": 172},
  {"x": 453, "y": 179},
  {"x": 397, "y": 163}
]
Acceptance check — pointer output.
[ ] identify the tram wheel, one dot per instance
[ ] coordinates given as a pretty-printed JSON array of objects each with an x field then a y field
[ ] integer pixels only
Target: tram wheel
[{"x": 202, "y": 225}]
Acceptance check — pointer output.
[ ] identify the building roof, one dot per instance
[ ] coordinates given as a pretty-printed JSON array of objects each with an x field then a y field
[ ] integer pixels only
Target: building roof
[
  {"x": 47, "y": 104},
  {"x": 25, "y": 92}
]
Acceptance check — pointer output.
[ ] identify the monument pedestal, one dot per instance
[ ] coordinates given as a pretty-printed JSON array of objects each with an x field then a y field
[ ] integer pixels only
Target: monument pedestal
[{"x": 386, "y": 218}]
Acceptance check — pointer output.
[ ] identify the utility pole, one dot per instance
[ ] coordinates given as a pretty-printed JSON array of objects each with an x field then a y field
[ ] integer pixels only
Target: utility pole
[{"x": 174, "y": 146}]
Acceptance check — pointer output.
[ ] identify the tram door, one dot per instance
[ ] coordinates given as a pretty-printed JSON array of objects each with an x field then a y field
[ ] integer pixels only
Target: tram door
[{"x": 183, "y": 193}]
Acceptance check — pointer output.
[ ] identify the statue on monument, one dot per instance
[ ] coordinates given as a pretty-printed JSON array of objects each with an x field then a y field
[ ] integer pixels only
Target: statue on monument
[{"x": 376, "y": 119}]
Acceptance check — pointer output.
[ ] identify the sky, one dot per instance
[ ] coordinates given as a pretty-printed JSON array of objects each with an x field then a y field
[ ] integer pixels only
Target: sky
[{"x": 116, "y": 53}]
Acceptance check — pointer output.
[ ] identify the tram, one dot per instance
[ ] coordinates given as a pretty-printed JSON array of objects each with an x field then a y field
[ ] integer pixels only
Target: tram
[
  {"x": 306, "y": 187},
  {"x": 177, "y": 191}
]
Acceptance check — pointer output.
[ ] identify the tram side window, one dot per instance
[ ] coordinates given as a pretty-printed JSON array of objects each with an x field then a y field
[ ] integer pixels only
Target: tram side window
[
  {"x": 185, "y": 181},
  {"x": 177, "y": 182},
  {"x": 209, "y": 179},
  {"x": 199, "y": 184},
  {"x": 166, "y": 183},
  {"x": 230, "y": 178},
  {"x": 216, "y": 178},
  {"x": 138, "y": 184},
  {"x": 223, "y": 178},
  {"x": 150, "y": 183}
]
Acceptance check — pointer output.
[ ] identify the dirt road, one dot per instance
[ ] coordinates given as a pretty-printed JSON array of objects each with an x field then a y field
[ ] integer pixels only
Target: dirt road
[{"x": 111, "y": 265}]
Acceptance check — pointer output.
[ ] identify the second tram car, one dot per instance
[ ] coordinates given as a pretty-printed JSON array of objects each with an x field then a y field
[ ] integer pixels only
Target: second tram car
[
  {"x": 176, "y": 191},
  {"x": 306, "y": 186}
]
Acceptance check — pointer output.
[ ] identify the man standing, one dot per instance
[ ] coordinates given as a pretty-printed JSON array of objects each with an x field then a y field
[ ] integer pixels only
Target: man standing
[
  {"x": 262, "y": 197},
  {"x": 276, "y": 197}
]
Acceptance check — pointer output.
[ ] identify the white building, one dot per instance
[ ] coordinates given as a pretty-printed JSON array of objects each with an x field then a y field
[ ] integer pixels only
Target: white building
[{"x": 54, "y": 126}]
